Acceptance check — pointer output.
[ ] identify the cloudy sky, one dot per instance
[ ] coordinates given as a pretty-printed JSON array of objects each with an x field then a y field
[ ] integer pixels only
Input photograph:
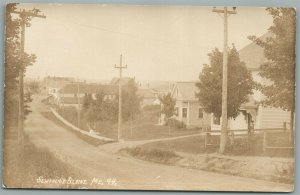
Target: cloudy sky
[{"x": 157, "y": 42}]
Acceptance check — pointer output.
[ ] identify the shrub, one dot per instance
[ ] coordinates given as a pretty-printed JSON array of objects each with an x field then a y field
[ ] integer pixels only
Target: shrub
[
  {"x": 154, "y": 155},
  {"x": 176, "y": 123}
]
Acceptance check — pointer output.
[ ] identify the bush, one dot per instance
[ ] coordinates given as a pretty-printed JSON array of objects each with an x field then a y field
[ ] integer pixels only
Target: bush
[
  {"x": 176, "y": 123},
  {"x": 154, "y": 155}
]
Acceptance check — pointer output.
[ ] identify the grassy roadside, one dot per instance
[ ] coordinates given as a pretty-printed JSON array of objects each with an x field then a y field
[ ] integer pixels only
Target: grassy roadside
[
  {"x": 195, "y": 145},
  {"x": 23, "y": 169},
  {"x": 190, "y": 153},
  {"x": 153, "y": 155},
  {"x": 90, "y": 140}
]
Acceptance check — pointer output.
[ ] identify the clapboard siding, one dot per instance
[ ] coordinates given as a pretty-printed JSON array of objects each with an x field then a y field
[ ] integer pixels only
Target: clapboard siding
[
  {"x": 273, "y": 117},
  {"x": 194, "y": 120}
]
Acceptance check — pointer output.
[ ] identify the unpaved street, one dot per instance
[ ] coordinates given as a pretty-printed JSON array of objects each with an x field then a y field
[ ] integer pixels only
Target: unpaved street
[{"x": 129, "y": 173}]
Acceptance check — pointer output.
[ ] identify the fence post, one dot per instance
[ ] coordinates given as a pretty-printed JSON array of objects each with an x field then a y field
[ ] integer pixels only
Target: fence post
[
  {"x": 248, "y": 139},
  {"x": 284, "y": 126},
  {"x": 264, "y": 141}
]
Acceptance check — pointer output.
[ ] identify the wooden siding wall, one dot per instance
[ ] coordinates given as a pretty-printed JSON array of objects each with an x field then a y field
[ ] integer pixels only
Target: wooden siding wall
[
  {"x": 194, "y": 120},
  {"x": 271, "y": 117}
]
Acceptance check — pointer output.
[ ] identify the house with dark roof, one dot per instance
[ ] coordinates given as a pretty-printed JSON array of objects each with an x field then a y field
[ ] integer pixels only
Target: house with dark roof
[
  {"x": 187, "y": 108},
  {"x": 72, "y": 94},
  {"x": 51, "y": 84}
]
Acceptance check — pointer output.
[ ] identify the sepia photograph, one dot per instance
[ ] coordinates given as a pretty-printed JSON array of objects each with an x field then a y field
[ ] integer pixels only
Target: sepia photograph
[{"x": 149, "y": 97}]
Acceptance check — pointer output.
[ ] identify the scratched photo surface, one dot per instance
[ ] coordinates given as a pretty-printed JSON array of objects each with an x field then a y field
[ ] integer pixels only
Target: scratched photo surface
[{"x": 131, "y": 97}]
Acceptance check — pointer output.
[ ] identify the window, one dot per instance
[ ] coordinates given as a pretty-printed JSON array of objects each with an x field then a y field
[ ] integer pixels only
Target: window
[
  {"x": 184, "y": 112},
  {"x": 216, "y": 120},
  {"x": 176, "y": 111},
  {"x": 200, "y": 113}
]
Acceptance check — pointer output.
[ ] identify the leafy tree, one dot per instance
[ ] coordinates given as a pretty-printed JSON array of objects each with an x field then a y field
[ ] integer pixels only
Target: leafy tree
[
  {"x": 87, "y": 101},
  {"x": 111, "y": 110},
  {"x": 12, "y": 42},
  {"x": 240, "y": 84},
  {"x": 100, "y": 109},
  {"x": 13, "y": 63},
  {"x": 131, "y": 101},
  {"x": 168, "y": 107},
  {"x": 94, "y": 109},
  {"x": 279, "y": 50},
  {"x": 103, "y": 109}
]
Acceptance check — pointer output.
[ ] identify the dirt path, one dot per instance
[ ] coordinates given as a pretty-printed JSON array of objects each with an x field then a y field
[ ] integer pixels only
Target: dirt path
[
  {"x": 129, "y": 173},
  {"x": 116, "y": 146}
]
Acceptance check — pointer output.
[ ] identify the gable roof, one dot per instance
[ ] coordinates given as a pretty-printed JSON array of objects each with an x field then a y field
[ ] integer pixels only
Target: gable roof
[
  {"x": 124, "y": 80},
  {"x": 253, "y": 55},
  {"x": 89, "y": 88},
  {"x": 187, "y": 90}
]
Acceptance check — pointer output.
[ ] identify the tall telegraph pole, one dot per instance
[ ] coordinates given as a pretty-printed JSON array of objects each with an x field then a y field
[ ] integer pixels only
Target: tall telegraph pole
[
  {"x": 120, "y": 67},
  {"x": 25, "y": 17},
  {"x": 225, "y": 77}
]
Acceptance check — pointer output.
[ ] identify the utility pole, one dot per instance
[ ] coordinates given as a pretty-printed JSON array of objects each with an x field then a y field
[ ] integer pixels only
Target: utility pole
[
  {"x": 25, "y": 17},
  {"x": 224, "y": 132},
  {"x": 120, "y": 67}
]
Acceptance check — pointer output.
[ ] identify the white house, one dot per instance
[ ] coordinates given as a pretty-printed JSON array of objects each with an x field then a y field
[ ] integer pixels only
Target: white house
[
  {"x": 253, "y": 112},
  {"x": 187, "y": 107}
]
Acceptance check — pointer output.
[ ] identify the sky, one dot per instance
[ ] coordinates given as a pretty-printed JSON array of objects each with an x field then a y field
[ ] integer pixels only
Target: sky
[{"x": 166, "y": 43}]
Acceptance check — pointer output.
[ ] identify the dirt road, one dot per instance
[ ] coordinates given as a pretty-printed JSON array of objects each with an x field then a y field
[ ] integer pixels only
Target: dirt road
[{"x": 129, "y": 173}]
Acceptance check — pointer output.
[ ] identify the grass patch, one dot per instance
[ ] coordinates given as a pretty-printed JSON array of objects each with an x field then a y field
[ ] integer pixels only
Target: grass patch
[
  {"x": 153, "y": 155},
  {"x": 71, "y": 115},
  {"x": 22, "y": 169},
  {"x": 143, "y": 127},
  {"x": 195, "y": 145},
  {"x": 90, "y": 140},
  {"x": 192, "y": 145}
]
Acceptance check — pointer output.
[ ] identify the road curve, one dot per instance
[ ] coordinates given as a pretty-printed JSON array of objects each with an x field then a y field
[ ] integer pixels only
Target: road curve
[{"x": 129, "y": 173}]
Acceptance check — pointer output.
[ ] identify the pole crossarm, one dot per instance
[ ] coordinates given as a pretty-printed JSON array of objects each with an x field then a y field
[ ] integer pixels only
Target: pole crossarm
[
  {"x": 222, "y": 11},
  {"x": 121, "y": 65},
  {"x": 30, "y": 13}
]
